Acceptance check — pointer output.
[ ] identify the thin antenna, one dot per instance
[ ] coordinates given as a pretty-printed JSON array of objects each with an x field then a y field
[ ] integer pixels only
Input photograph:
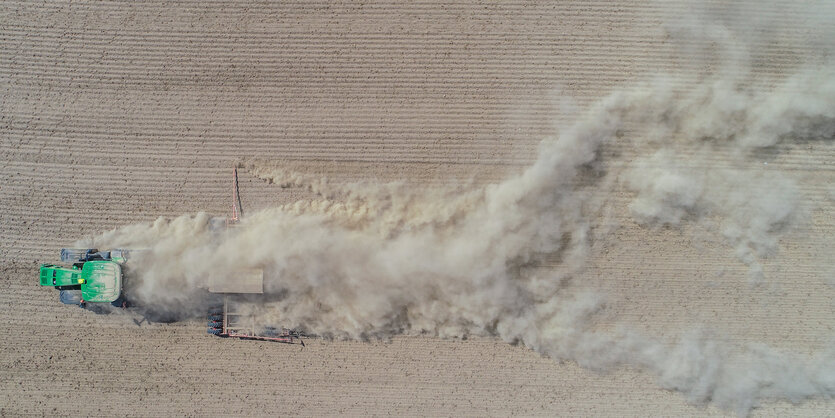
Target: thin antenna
[{"x": 237, "y": 212}]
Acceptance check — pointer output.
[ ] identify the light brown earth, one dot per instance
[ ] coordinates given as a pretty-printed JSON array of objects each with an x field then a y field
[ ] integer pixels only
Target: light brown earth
[{"x": 115, "y": 113}]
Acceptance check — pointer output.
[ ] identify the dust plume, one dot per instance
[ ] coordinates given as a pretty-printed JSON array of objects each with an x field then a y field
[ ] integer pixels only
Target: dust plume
[
  {"x": 722, "y": 121},
  {"x": 370, "y": 260}
]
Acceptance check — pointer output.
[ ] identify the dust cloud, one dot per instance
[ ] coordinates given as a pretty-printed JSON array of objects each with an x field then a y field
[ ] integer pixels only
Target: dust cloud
[
  {"x": 369, "y": 260},
  {"x": 730, "y": 133}
]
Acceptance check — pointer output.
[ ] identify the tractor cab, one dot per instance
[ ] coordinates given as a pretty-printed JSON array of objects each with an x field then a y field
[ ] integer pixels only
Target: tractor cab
[{"x": 102, "y": 281}]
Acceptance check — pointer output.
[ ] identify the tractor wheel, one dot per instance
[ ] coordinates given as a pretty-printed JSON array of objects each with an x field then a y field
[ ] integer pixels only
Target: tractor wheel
[
  {"x": 216, "y": 317},
  {"x": 75, "y": 254},
  {"x": 216, "y": 324},
  {"x": 214, "y": 331}
]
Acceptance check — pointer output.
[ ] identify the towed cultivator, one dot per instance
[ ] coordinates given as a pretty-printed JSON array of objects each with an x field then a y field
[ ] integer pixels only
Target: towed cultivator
[{"x": 226, "y": 321}]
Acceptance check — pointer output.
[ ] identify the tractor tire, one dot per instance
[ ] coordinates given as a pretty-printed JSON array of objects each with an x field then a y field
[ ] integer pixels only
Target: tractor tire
[
  {"x": 75, "y": 254},
  {"x": 214, "y": 331},
  {"x": 70, "y": 297},
  {"x": 216, "y": 317},
  {"x": 216, "y": 324}
]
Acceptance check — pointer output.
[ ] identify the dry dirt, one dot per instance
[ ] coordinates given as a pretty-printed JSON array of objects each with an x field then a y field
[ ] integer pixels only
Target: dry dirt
[{"x": 114, "y": 113}]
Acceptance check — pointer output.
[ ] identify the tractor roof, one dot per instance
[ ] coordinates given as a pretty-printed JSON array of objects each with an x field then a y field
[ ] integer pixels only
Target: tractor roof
[{"x": 102, "y": 281}]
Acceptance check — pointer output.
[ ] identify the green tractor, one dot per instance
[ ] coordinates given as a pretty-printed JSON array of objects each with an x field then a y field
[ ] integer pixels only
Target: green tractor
[{"x": 94, "y": 277}]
